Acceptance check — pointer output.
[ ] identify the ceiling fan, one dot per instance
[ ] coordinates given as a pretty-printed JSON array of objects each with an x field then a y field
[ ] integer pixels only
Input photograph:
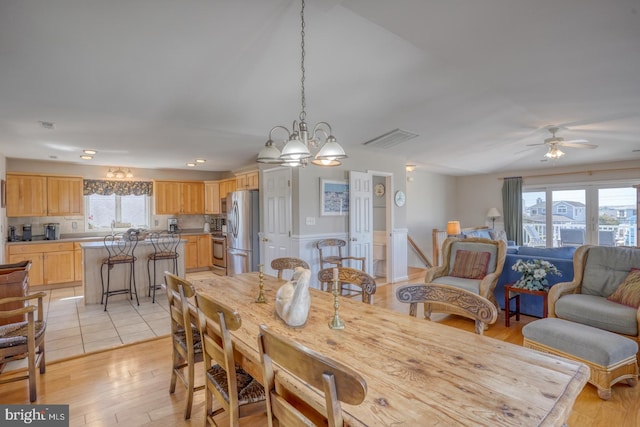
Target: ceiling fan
[{"x": 555, "y": 142}]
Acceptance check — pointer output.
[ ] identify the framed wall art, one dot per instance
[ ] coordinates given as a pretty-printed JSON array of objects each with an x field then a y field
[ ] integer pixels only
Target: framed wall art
[{"x": 334, "y": 197}]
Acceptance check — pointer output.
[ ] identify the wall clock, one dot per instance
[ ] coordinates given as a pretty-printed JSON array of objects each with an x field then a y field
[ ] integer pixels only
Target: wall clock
[
  {"x": 400, "y": 198},
  {"x": 379, "y": 189}
]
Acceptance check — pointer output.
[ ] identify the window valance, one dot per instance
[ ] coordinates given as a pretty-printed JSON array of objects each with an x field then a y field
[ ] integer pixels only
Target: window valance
[{"x": 119, "y": 188}]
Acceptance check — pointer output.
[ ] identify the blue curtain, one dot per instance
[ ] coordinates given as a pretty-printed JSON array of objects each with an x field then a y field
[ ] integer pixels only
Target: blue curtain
[{"x": 512, "y": 207}]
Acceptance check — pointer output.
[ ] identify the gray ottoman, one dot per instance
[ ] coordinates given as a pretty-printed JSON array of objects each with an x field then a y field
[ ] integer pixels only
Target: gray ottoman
[{"x": 611, "y": 357}]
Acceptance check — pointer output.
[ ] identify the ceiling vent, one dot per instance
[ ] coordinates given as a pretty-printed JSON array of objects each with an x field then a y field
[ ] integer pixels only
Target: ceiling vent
[{"x": 390, "y": 139}]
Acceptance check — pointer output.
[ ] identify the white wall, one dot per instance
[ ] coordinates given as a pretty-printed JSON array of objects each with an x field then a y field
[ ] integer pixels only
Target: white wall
[
  {"x": 431, "y": 202},
  {"x": 477, "y": 193}
]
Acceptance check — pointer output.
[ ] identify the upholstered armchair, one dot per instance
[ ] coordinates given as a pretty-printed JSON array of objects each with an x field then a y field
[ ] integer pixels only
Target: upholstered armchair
[
  {"x": 474, "y": 264},
  {"x": 599, "y": 280}
]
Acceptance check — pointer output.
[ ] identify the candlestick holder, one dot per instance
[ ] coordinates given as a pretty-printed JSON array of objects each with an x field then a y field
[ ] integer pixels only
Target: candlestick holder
[
  {"x": 336, "y": 322},
  {"x": 261, "y": 299}
]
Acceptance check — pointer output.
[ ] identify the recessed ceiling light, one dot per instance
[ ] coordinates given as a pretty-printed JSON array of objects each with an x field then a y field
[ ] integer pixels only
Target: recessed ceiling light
[
  {"x": 85, "y": 157},
  {"x": 90, "y": 152},
  {"x": 191, "y": 165},
  {"x": 200, "y": 160}
]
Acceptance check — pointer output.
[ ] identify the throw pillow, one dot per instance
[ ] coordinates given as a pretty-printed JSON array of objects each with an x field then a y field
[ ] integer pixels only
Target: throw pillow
[
  {"x": 628, "y": 293},
  {"x": 498, "y": 235},
  {"x": 470, "y": 264}
]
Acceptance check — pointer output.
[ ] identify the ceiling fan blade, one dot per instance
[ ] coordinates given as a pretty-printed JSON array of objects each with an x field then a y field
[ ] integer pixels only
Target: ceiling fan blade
[
  {"x": 534, "y": 145},
  {"x": 577, "y": 141},
  {"x": 574, "y": 144}
]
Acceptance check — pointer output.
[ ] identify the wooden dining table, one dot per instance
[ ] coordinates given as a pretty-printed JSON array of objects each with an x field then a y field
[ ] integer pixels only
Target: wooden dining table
[{"x": 417, "y": 372}]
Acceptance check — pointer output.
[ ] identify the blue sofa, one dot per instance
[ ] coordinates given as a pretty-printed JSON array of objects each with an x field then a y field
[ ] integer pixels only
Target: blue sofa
[{"x": 531, "y": 305}]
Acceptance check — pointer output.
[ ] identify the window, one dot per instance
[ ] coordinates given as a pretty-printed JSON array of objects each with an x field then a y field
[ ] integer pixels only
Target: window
[
  {"x": 117, "y": 212},
  {"x": 601, "y": 214}
]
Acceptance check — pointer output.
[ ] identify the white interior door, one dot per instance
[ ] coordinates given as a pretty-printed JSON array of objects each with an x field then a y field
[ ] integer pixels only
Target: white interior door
[
  {"x": 360, "y": 218},
  {"x": 276, "y": 237}
]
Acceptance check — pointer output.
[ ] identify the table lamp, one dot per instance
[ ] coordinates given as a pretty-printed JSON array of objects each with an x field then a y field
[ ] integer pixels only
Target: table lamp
[{"x": 453, "y": 228}]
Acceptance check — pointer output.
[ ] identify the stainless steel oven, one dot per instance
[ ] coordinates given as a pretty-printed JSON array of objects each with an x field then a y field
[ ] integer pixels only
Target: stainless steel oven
[{"x": 219, "y": 254}]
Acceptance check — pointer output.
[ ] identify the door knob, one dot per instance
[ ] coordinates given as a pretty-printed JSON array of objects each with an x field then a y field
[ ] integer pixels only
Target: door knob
[{"x": 265, "y": 239}]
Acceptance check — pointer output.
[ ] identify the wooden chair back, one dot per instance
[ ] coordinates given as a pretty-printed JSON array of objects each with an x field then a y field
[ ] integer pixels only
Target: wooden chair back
[
  {"x": 288, "y": 263},
  {"x": 338, "y": 382},
  {"x": 178, "y": 292},
  {"x": 336, "y": 259},
  {"x": 216, "y": 320},
  {"x": 346, "y": 275},
  {"x": 449, "y": 299},
  {"x": 19, "y": 340},
  {"x": 185, "y": 336}
]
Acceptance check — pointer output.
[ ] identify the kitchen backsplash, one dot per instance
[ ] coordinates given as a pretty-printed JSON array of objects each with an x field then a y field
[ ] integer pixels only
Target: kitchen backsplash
[{"x": 76, "y": 224}]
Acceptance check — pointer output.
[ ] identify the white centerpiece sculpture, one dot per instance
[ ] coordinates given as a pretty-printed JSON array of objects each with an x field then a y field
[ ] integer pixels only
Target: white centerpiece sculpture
[{"x": 293, "y": 299}]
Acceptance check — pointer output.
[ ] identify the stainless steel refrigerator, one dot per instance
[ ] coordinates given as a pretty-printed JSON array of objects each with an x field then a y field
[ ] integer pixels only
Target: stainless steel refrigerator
[{"x": 243, "y": 225}]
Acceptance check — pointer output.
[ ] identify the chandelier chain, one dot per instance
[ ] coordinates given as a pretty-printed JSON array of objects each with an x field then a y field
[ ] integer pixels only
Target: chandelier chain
[{"x": 303, "y": 113}]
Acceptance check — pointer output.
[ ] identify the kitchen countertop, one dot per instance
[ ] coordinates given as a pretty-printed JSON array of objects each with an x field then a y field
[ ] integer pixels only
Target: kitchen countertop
[{"x": 79, "y": 237}]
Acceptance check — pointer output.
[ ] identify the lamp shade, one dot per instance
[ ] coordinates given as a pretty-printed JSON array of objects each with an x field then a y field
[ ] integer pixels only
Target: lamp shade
[
  {"x": 493, "y": 213},
  {"x": 453, "y": 228}
]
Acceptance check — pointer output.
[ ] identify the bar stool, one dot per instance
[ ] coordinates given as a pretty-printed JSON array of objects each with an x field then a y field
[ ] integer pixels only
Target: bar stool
[
  {"x": 165, "y": 248},
  {"x": 120, "y": 248}
]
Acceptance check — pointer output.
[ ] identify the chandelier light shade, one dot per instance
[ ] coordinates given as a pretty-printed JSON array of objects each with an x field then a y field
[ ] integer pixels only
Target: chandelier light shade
[{"x": 299, "y": 143}]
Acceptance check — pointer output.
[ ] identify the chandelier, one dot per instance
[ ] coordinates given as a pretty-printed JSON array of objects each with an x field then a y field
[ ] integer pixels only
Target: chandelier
[
  {"x": 119, "y": 174},
  {"x": 300, "y": 141}
]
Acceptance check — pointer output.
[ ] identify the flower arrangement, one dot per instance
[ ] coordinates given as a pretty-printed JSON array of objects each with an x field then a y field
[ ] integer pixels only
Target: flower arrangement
[{"x": 534, "y": 274}]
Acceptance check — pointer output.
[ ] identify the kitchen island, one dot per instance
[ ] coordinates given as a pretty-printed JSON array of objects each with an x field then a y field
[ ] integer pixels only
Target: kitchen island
[{"x": 94, "y": 252}]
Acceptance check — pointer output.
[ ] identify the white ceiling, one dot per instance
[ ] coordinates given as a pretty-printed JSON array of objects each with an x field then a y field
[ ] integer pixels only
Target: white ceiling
[{"x": 158, "y": 83}]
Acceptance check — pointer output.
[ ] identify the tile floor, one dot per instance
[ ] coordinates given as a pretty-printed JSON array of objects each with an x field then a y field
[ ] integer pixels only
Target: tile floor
[{"x": 74, "y": 328}]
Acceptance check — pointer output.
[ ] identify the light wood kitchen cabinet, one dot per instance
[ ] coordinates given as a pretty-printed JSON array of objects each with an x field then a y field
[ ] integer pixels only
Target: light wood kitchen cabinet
[
  {"x": 212, "y": 197},
  {"x": 178, "y": 197},
  {"x": 227, "y": 186},
  {"x": 26, "y": 195},
  {"x": 167, "y": 197},
  {"x": 64, "y": 196},
  {"x": 248, "y": 181},
  {"x": 40, "y": 195},
  {"x": 50, "y": 262},
  {"x": 204, "y": 251},
  {"x": 77, "y": 258},
  {"x": 197, "y": 252},
  {"x": 192, "y": 198}
]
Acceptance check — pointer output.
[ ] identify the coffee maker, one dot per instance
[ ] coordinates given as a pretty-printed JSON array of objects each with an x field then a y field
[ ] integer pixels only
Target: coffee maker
[
  {"x": 172, "y": 225},
  {"x": 26, "y": 232},
  {"x": 52, "y": 231},
  {"x": 12, "y": 233}
]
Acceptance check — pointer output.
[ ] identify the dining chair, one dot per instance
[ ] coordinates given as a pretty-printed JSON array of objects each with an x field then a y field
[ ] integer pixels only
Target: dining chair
[
  {"x": 238, "y": 393},
  {"x": 165, "y": 248},
  {"x": 185, "y": 337},
  {"x": 337, "y": 259},
  {"x": 287, "y": 263},
  {"x": 349, "y": 276},
  {"x": 120, "y": 251},
  {"x": 337, "y": 382},
  {"x": 449, "y": 299},
  {"x": 23, "y": 339}
]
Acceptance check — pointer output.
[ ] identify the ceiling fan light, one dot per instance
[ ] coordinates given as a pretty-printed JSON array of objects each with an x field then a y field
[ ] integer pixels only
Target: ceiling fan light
[
  {"x": 554, "y": 153},
  {"x": 110, "y": 173}
]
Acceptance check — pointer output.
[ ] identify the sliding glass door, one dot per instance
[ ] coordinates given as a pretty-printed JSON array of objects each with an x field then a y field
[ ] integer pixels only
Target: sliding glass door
[{"x": 596, "y": 214}]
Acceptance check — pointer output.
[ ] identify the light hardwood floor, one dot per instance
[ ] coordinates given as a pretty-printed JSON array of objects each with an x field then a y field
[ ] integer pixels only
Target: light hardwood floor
[{"x": 128, "y": 386}]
